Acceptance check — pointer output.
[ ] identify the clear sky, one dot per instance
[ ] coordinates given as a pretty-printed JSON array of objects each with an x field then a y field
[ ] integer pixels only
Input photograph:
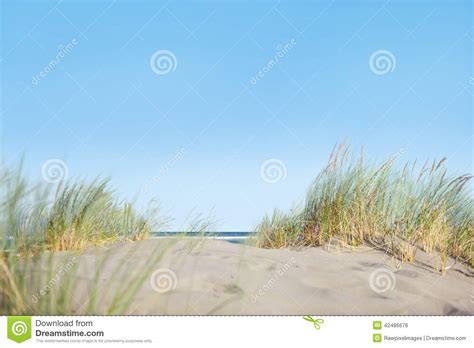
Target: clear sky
[{"x": 232, "y": 106}]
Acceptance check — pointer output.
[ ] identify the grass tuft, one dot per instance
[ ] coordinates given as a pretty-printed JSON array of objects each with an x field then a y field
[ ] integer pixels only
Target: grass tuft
[
  {"x": 398, "y": 210},
  {"x": 72, "y": 217},
  {"x": 43, "y": 234}
]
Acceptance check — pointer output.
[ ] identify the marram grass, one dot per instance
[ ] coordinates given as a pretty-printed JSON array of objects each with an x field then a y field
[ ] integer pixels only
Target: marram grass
[
  {"x": 72, "y": 217},
  {"x": 42, "y": 236},
  {"x": 48, "y": 239},
  {"x": 43, "y": 233},
  {"x": 46, "y": 283},
  {"x": 397, "y": 210}
]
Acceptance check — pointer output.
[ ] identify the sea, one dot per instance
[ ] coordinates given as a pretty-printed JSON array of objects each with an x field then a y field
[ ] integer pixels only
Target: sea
[{"x": 232, "y": 237}]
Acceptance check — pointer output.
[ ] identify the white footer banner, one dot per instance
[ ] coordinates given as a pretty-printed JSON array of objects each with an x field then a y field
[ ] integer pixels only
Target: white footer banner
[{"x": 237, "y": 331}]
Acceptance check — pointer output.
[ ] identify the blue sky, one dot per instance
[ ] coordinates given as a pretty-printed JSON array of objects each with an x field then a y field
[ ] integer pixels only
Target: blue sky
[{"x": 249, "y": 84}]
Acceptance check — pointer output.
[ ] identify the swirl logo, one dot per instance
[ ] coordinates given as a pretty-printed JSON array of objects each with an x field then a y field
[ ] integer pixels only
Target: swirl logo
[
  {"x": 54, "y": 171},
  {"x": 273, "y": 170},
  {"x": 382, "y": 62},
  {"x": 382, "y": 280},
  {"x": 19, "y": 328},
  {"x": 163, "y": 280},
  {"x": 163, "y": 62}
]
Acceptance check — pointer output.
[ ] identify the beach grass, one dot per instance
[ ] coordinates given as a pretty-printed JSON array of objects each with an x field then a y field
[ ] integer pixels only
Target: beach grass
[
  {"x": 49, "y": 232},
  {"x": 48, "y": 283},
  {"x": 44, "y": 231},
  {"x": 68, "y": 216},
  {"x": 397, "y": 209}
]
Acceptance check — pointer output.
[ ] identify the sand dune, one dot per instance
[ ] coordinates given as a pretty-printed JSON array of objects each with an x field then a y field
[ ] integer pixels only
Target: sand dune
[{"x": 217, "y": 277}]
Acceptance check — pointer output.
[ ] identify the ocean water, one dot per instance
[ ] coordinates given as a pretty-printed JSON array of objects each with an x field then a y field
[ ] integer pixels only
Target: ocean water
[{"x": 232, "y": 237}]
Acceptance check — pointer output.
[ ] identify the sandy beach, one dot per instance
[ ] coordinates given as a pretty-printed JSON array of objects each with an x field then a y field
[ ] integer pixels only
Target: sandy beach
[{"x": 216, "y": 277}]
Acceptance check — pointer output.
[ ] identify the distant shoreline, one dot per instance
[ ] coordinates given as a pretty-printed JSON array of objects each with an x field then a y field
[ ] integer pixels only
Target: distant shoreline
[{"x": 236, "y": 236}]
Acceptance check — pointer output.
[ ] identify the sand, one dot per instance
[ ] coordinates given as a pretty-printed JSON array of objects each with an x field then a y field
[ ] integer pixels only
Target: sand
[{"x": 217, "y": 277}]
